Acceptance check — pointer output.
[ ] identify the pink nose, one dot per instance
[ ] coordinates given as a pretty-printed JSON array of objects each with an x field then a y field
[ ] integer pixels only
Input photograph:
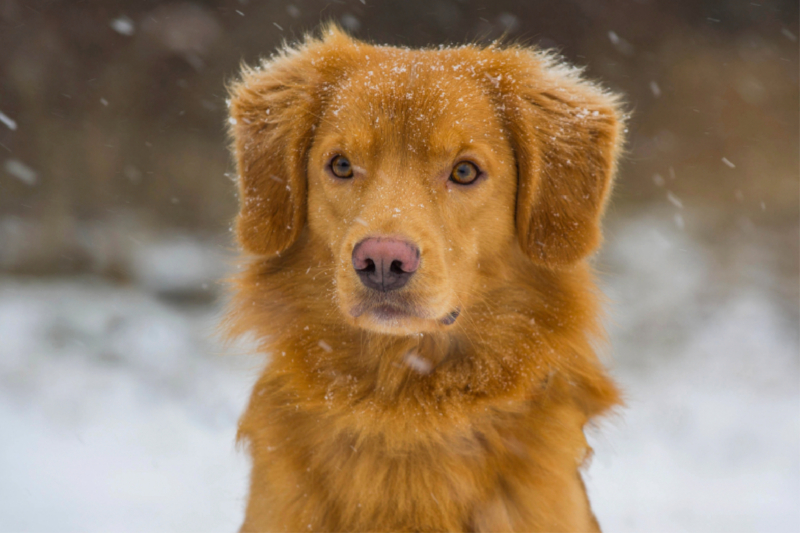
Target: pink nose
[{"x": 385, "y": 264}]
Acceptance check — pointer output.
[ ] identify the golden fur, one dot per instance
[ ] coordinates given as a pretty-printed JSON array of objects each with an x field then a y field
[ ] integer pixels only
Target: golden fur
[{"x": 360, "y": 423}]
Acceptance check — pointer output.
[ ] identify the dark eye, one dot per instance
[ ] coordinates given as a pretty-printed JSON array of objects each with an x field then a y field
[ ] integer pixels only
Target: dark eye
[
  {"x": 341, "y": 167},
  {"x": 464, "y": 173}
]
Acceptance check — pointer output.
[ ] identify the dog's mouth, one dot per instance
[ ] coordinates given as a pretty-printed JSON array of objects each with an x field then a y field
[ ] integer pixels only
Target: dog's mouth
[
  {"x": 394, "y": 311},
  {"x": 390, "y": 313},
  {"x": 387, "y": 310}
]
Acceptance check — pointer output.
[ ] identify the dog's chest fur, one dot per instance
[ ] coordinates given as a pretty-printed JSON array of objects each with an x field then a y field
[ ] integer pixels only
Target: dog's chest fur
[
  {"x": 421, "y": 464},
  {"x": 422, "y": 433}
]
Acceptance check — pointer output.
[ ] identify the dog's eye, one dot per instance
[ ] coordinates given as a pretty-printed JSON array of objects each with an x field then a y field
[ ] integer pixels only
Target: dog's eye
[
  {"x": 341, "y": 167},
  {"x": 464, "y": 173}
]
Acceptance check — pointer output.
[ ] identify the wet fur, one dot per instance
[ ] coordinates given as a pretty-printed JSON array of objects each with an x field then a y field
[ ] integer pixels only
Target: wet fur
[{"x": 346, "y": 433}]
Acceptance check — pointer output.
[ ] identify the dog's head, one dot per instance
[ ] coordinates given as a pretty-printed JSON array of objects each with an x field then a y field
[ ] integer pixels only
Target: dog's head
[{"x": 422, "y": 172}]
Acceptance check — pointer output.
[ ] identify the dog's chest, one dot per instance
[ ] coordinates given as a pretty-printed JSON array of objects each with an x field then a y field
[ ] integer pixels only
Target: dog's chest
[{"x": 430, "y": 476}]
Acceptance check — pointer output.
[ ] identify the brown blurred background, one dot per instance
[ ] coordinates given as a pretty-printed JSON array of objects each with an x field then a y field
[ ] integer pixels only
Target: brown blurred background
[{"x": 115, "y": 110}]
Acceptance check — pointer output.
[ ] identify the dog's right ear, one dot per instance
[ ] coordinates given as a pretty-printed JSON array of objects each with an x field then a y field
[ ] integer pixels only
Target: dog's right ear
[
  {"x": 567, "y": 135},
  {"x": 273, "y": 113}
]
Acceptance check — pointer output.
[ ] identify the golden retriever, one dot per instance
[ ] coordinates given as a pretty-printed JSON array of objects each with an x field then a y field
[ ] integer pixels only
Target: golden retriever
[{"x": 418, "y": 224}]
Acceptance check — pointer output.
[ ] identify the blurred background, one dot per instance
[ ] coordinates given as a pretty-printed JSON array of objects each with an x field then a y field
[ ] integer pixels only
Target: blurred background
[{"x": 117, "y": 408}]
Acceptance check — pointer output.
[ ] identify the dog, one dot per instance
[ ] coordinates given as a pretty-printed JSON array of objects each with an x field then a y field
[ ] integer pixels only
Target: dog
[{"x": 417, "y": 226}]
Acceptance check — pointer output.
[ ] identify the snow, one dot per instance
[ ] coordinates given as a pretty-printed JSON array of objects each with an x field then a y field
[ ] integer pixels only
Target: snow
[
  {"x": 174, "y": 264},
  {"x": 123, "y": 25},
  {"x": 21, "y": 171},
  {"x": 293, "y": 11},
  {"x": 8, "y": 121},
  {"x": 118, "y": 412},
  {"x": 655, "y": 89},
  {"x": 710, "y": 438},
  {"x": 119, "y": 405},
  {"x": 350, "y": 22},
  {"x": 674, "y": 200},
  {"x": 622, "y": 46}
]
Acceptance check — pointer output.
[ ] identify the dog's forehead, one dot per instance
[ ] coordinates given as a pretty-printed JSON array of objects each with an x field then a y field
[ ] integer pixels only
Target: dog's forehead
[{"x": 420, "y": 96}]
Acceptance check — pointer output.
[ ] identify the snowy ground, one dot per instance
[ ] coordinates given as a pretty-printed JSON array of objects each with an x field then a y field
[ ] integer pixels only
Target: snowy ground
[
  {"x": 706, "y": 348},
  {"x": 118, "y": 410}
]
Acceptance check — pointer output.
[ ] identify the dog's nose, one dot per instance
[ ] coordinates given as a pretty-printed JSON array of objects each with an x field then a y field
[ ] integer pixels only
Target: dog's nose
[{"x": 385, "y": 264}]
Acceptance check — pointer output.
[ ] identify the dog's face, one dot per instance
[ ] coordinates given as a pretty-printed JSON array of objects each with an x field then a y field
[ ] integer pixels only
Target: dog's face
[
  {"x": 420, "y": 172},
  {"x": 411, "y": 183}
]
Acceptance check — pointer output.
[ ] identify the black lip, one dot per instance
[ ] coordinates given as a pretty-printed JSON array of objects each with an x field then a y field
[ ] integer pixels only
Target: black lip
[
  {"x": 386, "y": 306},
  {"x": 389, "y": 312}
]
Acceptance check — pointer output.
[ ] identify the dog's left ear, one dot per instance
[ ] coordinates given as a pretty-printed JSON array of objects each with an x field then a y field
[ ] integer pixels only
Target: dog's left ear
[
  {"x": 274, "y": 110},
  {"x": 567, "y": 136},
  {"x": 272, "y": 118}
]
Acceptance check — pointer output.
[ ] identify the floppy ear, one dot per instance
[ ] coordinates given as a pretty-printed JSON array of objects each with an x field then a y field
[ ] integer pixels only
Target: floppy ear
[
  {"x": 566, "y": 135},
  {"x": 273, "y": 112}
]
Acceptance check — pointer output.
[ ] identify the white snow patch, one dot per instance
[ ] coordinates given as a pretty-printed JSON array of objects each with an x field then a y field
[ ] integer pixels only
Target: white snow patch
[
  {"x": 709, "y": 437},
  {"x": 674, "y": 200},
  {"x": 123, "y": 25},
  {"x": 118, "y": 413},
  {"x": 10, "y": 124},
  {"x": 622, "y": 46},
  {"x": 350, "y": 22},
  {"x": 419, "y": 364},
  {"x": 176, "y": 264},
  {"x": 21, "y": 171},
  {"x": 656, "y": 90}
]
